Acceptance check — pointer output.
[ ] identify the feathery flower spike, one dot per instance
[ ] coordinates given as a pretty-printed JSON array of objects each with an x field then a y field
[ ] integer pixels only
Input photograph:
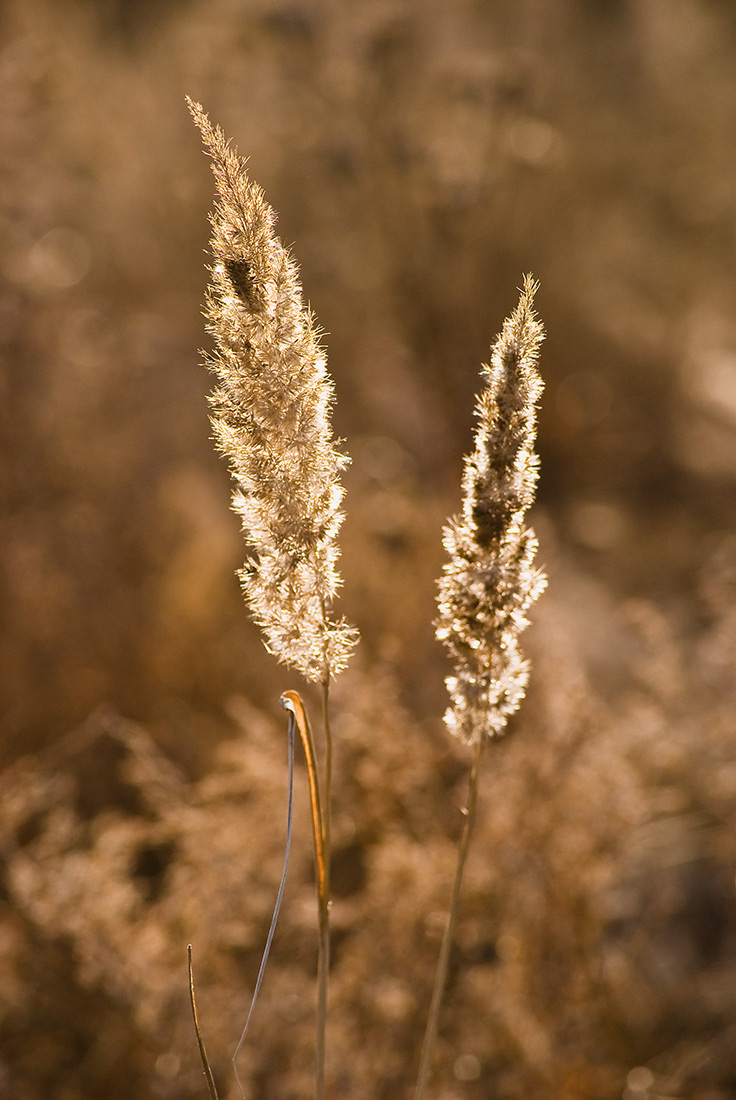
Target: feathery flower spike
[
  {"x": 489, "y": 581},
  {"x": 271, "y": 418}
]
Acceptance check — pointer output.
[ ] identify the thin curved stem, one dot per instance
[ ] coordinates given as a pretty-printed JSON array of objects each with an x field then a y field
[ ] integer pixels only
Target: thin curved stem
[
  {"x": 277, "y": 906},
  {"x": 291, "y": 700},
  {"x": 323, "y": 964},
  {"x": 430, "y": 1035},
  {"x": 200, "y": 1041}
]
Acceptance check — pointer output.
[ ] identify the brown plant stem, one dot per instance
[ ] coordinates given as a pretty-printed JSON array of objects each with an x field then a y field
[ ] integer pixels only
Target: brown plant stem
[
  {"x": 323, "y": 963},
  {"x": 291, "y": 700},
  {"x": 430, "y": 1035},
  {"x": 321, "y": 829},
  {"x": 200, "y": 1041}
]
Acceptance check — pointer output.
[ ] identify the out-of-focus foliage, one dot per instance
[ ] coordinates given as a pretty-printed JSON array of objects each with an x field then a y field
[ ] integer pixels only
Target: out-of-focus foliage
[
  {"x": 596, "y": 945},
  {"x": 421, "y": 155}
]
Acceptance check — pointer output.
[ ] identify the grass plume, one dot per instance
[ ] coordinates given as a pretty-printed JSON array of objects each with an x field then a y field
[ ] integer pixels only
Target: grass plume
[
  {"x": 489, "y": 581},
  {"x": 271, "y": 418}
]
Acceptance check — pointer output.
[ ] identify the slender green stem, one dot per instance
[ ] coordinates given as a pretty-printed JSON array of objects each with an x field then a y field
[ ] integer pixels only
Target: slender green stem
[{"x": 430, "y": 1035}]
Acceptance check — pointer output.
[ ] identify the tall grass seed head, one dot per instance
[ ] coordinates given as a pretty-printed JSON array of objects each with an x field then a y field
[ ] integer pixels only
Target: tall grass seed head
[
  {"x": 271, "y": 419},
  {"x": 489, "y": 580}
]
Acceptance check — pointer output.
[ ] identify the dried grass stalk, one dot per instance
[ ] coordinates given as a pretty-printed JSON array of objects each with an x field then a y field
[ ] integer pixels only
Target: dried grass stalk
[
  {"x": 489, "y": 583},
  {"x": 272, "y": 420}
]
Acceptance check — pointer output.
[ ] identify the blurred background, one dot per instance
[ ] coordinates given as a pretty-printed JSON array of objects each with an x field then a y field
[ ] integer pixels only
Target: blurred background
[{"x": 422, "y": 156}]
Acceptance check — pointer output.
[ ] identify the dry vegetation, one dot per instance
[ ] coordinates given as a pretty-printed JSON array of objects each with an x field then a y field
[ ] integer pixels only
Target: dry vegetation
[{"x": 421, "y": 156}]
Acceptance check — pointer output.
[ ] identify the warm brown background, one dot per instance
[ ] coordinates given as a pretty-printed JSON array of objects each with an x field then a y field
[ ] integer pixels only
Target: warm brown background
[{"x": 421, "y": 156}]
